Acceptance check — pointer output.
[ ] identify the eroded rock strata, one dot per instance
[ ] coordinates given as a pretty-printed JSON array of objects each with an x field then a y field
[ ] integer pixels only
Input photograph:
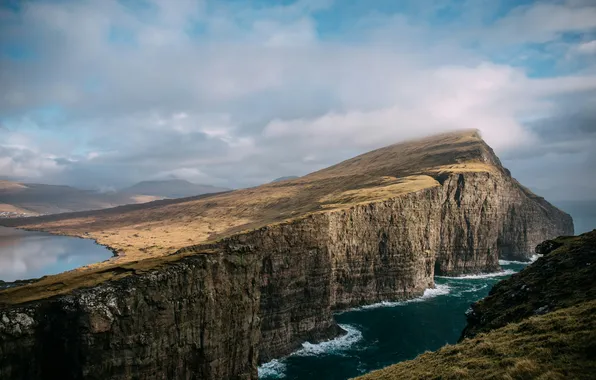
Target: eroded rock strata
[
  {"x": 265, "y": 291},
  {"x": 196, "y": 319}
]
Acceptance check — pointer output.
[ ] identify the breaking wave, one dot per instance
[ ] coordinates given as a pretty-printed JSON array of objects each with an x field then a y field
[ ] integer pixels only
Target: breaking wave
[
  {"x": 505, "y": 272},
  {"x": 275, "y": 369},
  {"x": 530, "y": 261},
  {"x": 439, "y": 290},
  {"x": 509, "y": 262},
  {"x": 333, "y": 346}
]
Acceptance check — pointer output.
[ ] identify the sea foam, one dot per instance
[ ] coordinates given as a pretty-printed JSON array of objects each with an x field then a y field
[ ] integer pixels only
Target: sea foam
[
  {"x": 333, "y": 346},
  {"x": 439, "y": 290},
  {"x": 505, "y": 272},
  {"x": 275, "y": 369},
  {"x": 530, "y": 261},
  {"x": 272, "y": 370}
]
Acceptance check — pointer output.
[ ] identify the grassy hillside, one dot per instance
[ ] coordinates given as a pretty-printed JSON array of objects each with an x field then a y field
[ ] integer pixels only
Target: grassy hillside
[
  {"x": 538, "y": 324},
  {"x": 146, "y": 235},
  {"x": 160, "y": 228}
]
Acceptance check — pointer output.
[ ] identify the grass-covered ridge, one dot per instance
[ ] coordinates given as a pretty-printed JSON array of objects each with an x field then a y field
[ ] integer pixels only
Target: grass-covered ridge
[
  {"x": 538, "y": 324},
  {"x": 156, "y": 233},
  {"x": 163, "y": 227}
]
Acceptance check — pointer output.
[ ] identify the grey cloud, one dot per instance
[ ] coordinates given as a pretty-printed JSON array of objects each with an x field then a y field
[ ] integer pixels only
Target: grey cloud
[{"x": 267, "y": 100}]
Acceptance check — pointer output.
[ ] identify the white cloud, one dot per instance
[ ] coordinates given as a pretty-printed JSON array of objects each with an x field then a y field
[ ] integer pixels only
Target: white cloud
[
  {"x": 587, "y": 47},
  {"x": 257, "y": 94}
]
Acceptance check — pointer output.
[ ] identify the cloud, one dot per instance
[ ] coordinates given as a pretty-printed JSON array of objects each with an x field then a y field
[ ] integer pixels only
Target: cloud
[
  {"x": 588, "y": 48},
  {"x": 542, "y": 22},
  {"x": 235, "y": 95}
]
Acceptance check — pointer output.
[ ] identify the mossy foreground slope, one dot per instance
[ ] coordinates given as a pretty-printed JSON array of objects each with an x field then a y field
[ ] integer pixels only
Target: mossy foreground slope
[{"x": 538, "y": 324}]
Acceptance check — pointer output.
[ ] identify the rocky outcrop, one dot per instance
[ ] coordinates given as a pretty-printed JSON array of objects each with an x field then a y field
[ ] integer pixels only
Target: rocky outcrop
[
  {"x": 565, "y": 276},
  {"x": 489, "y": 216},
  {"x": 196, "y": 319}
]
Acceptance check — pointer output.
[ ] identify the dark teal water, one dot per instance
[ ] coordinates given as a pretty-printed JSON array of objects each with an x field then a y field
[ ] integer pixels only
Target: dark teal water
[
  {"x": 26, "y": 255},
  {"x": 388, "y": 333}
]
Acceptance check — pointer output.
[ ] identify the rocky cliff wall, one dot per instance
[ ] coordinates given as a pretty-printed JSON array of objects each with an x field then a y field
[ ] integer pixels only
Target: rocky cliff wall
[
  {"x": 335, "y": 260},
  {"x": 213, "y": 316},
  {"x": 387, "y": 251},
  {"x": 196, "y": 319},
  {"x": 490, "y": 216}
]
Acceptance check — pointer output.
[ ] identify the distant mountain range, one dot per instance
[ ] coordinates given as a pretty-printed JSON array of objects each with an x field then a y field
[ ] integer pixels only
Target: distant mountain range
[
  {"x": 174, "y": 188},
  {"x": 18, "y": 199},
  {"x": 287, "y": 178}
]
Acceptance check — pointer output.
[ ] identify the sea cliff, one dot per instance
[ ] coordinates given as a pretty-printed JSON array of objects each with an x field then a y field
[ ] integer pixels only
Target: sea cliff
[{"x": 374, "y": 228}]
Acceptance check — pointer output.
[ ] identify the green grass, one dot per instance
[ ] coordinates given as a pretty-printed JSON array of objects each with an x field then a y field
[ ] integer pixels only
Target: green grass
[
  {"x": 562, "y": 278},
  {"x": 508, "y": 339},
  {"x": 558, "y": 345}
]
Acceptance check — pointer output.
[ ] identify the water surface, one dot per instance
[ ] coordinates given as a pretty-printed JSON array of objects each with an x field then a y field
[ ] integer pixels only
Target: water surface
[
  {"x": 387, "y": 333},
  {"x": 26, "y": 254}
]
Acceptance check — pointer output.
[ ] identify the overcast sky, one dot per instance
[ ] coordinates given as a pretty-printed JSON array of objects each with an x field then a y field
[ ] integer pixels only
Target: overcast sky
[{"x": 100, "y": 94}]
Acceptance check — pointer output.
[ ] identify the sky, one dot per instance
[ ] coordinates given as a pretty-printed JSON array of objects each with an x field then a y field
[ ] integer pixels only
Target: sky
[{"x": 102, "y": 94}]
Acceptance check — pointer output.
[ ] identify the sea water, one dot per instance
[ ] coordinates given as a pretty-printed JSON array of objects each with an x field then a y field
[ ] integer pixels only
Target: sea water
[{"x": 390, "y": 332}]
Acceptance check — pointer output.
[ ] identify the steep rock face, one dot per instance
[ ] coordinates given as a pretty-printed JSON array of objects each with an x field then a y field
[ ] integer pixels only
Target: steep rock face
[
  {"x": 197, "y": 319},
  {"x": 330, "y": 261},
  {"x": 489, "y": 216},
  {"x": 386, "y": 251}
]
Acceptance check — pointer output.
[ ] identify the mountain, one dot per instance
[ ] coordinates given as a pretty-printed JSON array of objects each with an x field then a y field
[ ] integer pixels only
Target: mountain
[
  {"x": 18, "y": 199},
  {"x": 538, "y": 324},
  {"x": 249, "y": 275},
  {"x": 174, "y": 188},
  {"x": 287, "y": 178}
]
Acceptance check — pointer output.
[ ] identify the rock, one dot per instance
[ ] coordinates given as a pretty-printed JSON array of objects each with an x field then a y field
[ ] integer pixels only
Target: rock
[
  {"x": 196, "y": 319},
  {"x": 547, "y": 247}
]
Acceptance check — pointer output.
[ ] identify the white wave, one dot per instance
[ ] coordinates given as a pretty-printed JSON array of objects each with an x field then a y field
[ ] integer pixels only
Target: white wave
[
  {"x": 530, "y": 261},
  {"x": 472, "y": 289},
  {"x": 336, "y": 345},
  {"x": 439, "y": 290},
  {"x": 505, "y": 272},
  {"x": 274, "y": 369},
  {"x": 509, "y": 262}
]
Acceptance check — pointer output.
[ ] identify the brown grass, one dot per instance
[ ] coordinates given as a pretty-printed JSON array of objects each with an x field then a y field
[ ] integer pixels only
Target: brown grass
[{"x": 163, "y": 227}]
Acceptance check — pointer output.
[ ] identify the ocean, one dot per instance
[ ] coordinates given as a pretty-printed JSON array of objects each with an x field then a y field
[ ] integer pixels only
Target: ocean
[{"x": 390, "y": 332}]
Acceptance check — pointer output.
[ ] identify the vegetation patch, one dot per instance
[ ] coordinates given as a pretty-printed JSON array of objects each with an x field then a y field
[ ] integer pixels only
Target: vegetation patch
[{"x": 538, "y": 324}]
